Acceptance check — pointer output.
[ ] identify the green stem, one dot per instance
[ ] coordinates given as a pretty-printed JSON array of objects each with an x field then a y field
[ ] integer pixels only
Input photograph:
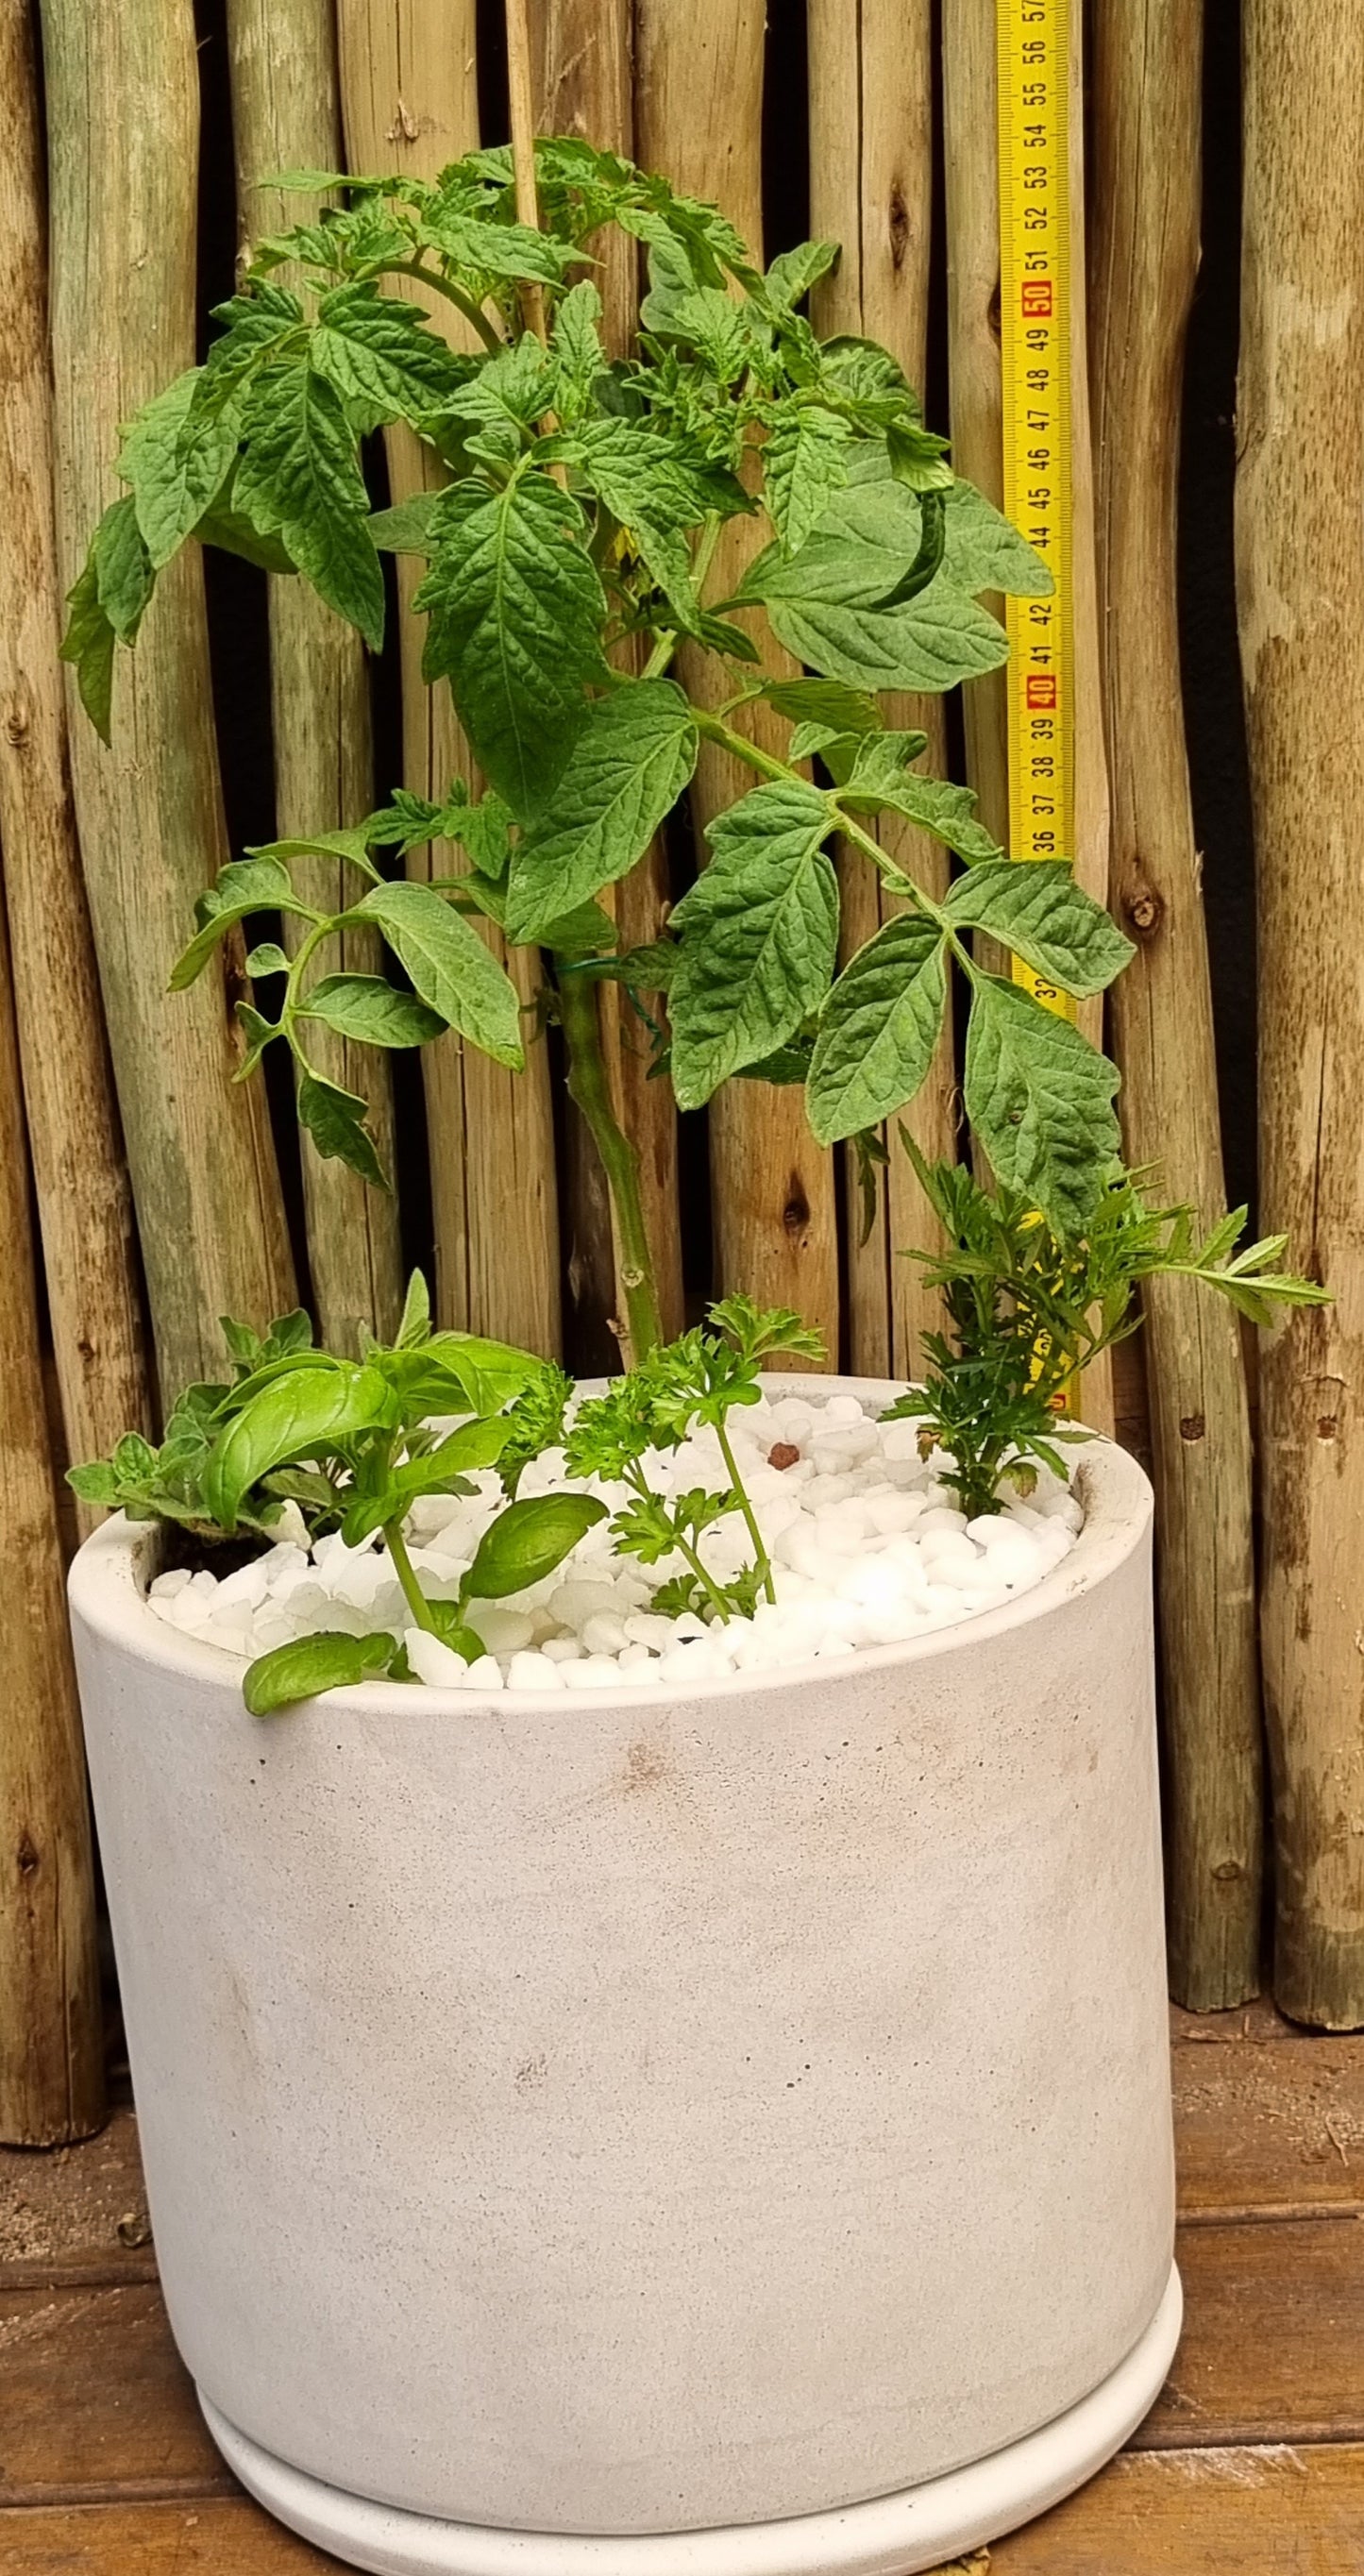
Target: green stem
[
  {"x": 588, "y": 1087},
  {"x": 761, "y": 1559},
  {"x": 667, "y": 643},
  {"x": 406, "y": 1573},
  {"x": 684, "y": 1547},
  {"x": 490, "y": 336}
]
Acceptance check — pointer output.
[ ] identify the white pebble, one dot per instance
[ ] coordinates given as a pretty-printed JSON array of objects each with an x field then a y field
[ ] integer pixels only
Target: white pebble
[
  {"x": 502, "y": 1631},
  {"x": 533, "y": 1673},
  {"x": 561, "y": 1650},
  {"x": 604, "y": 1633},
  {"x": 595, "y": 1672},
  {"x": 165, "y": 1586},
  {"x": 484, "y": 1674},
  {"x": 432, "y": 1660}
]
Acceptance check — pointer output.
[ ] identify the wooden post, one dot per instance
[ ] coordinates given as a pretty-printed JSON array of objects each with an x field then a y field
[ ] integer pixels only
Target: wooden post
[
  {"x": 122, "y": 100},
  {"x": 286, "y": 116},
  {"x": 698, "y": 116},
  {"x": 871, "y": 188},
  {"x": 410, "y": 105},
  {"x": 84, "y": 1201},
  {"x": 51, "y": 2055},
  {"x": 583, "y": 60},
  {"x": 1147, "y": 104},
  {"x": 1300, "y": 581}
]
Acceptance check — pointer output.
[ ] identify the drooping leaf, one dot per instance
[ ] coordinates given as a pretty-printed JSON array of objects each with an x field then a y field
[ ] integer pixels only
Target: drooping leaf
[
  {"x": 1036, "y": 908},
  {"x": 759, "y": 937},
  {"x": 1040, "y": 1099},
  {"x": 301, "y": 1413},
  {"x": 327, "y": 1660},
  {"x": 804, "y": 463},
  {"x": 123, "y": 569},
  {"x": 243, "y": 886},
  {"x": 299, "y": 474},
  {"x": 879, "y": 1030},
  {"x": 233, "y": 534},
  {"x": 89, "y": 643},
  {"x": 176, "y": 459},
  {"x": 984, "y": 551},
  {"x": 516, "y": 612},
  {"x": 948, "y": 812},
  {"x": 335, "y": 1120},
  {"x": 371, "y": 1009},
  {"x": 629, "y": 763},
  {"x": 406, "y": 528},
  {"x": 452, "y": 968},
  {"x": 918, "y": 457},
  {"x": 528, "y": 1540}
]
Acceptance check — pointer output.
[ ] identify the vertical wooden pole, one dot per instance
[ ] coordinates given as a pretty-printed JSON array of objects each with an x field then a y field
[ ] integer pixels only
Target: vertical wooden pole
[
  {"x": 286, "y": 116},
  {"x": 1300, "y": 580},
  {"x": 583, "y": 59},
  {"x": 698, "y": 118},
  {"x": 410, "y": 104},
  {"x": 84, "y": 1201},
  {"x": 51, "y": 2057},
  {"x": 1147, "y": 106},
  {"x": 871, "y": 188},
  {"x": 122, "y": 100}
]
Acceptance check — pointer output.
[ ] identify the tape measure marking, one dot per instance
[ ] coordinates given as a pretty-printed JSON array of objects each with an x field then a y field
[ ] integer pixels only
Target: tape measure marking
[{"x": 1034, "y": 243}]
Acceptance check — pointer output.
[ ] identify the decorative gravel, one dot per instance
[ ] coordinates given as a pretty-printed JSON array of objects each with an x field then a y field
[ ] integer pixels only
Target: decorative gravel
[{"x": 867, "y": 1548}]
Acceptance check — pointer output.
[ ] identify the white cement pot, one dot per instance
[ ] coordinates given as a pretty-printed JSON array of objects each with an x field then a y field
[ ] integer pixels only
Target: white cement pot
[{"x": 643, "y": 2135}]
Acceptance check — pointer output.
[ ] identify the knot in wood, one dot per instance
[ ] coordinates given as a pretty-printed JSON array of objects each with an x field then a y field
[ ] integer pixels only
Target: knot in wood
[
  {"x": 27, "y": 1856},
  {"x": 1192, "y": 1427},
  {"x": 795, "y": 1215},
  {"x": 1327, "y": 1426},
  {"x": 898, "y": 225},
  {"x": 1144, "y": 912}
]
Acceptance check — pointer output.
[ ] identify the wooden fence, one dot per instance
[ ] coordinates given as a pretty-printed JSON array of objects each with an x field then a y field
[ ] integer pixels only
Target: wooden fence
[{"x": 164, "y": 1193}]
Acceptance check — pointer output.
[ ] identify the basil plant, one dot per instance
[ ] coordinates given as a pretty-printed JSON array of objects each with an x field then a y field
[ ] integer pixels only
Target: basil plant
[{"x": 582, "y": 507}]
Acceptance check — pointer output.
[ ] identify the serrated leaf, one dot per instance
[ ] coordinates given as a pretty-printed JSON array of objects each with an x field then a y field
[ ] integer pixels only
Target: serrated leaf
[
  {"x": 629, "y": 763},
  {"x": 1035, "y": 907},
  {"x": 371, "y": 1009},
  {"x": 335, "y": 1120},
  {"x": 937, "y": 640},
  {"x": 527, "y": 1541},
  {"x": 243, "y": 886},
  {"x": 89, "y": 643},
  {"x": 760, "y": 934},
  {"x": 879, "y": 1029},
  {"x": 577, "y": 346},
  {"x": 233, "y": 534},
  {"x": 298, "y": 474},
  {"x": 828, "y": 702},
  {"x": 303, "y": 1412},
  {"x": 948, "y": 812},
  {"x": 123, "y": 569},
  {"x": 495, "y": 250},
  {"x": 804, "y": 464},
  {"x": 176, "y": 464},
  {"x": 406, "y": 528},
  {"x": 792, "y": 273},
  {"x": 451, "y": 968},
  {"x": 379, "y": 353},
  {"x": 1040, "y": 1099},
  {"x": 516, "y": 611},
  {"x": 982, "y": 550},
  {"x": 327, "y": 1660}
]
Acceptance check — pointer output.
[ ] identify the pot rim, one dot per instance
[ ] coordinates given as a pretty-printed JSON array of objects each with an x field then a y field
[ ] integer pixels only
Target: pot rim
[{"x": 109, "y": 1572}]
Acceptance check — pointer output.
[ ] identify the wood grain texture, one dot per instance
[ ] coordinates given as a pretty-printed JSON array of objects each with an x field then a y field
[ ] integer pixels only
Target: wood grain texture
[
  {"x": 410, "y": 104},
  {"x": 871, "y": 188},
  {"x": 122, "y": 107},
  {"x": 85, "y": 1209},
  {"x": 1238, "y": 2512},
  {"x": 1144, "y": 263},
  {"x": 77, "y": 2215},
  {"x": 1268, "y": 2126},
  {"x": 1300, "y": 583},
  {"x": 698, "y": 119},
  {"x": 286, "y": 116},
  {"x": 97, "y": 2400},
  {"x": 1274, "y": 2329},
  {"x": 583, "y": 64},
  {"x": 51, "y": 2055}
]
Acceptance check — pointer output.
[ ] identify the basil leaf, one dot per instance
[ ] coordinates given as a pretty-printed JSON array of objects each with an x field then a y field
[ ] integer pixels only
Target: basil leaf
[
  {"x": 325, "y": 1661},
  {"x": 760, "y": 935},
  {"x": 453, "y": 970},
  {"x": 628, "y": 766},
  {"x": 527, "y": 1541},
  {"x": 302, "y": 1413},
  {"x": 1040, "y": 1099},
  {"x": 879, "y": 1029},
  {"x": 1035, "y": 907}
]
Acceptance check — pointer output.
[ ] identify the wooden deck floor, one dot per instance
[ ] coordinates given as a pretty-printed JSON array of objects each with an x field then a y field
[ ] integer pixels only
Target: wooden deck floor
[{"x": 1252, "y": 2463}]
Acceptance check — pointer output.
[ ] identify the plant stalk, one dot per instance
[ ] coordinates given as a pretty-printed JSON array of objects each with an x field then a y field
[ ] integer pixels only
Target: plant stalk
[
  {"x": 406, "y": 1573},
  {"x": 761, "y": 1559},
  {"x": 640, "y": 1328}
]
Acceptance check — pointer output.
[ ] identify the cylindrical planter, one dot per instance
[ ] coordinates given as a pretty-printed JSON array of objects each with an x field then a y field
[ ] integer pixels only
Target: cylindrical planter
[{"x": 637, "y": 2133}]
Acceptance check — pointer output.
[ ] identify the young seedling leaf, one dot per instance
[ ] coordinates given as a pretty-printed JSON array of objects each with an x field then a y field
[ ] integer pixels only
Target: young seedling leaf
[
  {"x": 453, "y": 970},
  {"x": 527, "y": 1541},
  {"x": 629, "y": 763},
  {"x": 328, "y": 1660},
  {"x": 759, "y": 937},
  {"x": 879, "y": 1030}
]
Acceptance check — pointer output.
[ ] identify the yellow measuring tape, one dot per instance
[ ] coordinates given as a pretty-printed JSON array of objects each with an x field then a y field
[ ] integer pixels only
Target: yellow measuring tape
[{"x": 1034, "y": 250}]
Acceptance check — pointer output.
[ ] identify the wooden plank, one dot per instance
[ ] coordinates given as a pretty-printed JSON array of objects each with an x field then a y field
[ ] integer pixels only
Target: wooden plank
[
  {"x": 286, "y": 116},
  {"x": 583, "y": 65},
  {"x": 76, "y": 2214},
  {"x": 223, "y": 2536},
  {"x": 698, "y": 119},
  {"x": 871, "y": 188},
  {"x": 1273, "y": 2126},
  {"x": 409, "y": 101},
  {"x": 96, "y": 2400},
  {"x": 51, "y": 2039},
  {"x": 122, "y": 94},
  {"x": 1243, "y": 2512},
  {"x": 85, "y": 1208},
  {"x": 1300, "y": 586},
  {"x": 1145, "y": 259},
  {"x": 1273, "y": 2333}
]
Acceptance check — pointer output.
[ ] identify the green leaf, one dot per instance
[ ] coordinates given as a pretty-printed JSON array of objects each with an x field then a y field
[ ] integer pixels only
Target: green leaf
[
  {"x": 629, "y": 763},
  {"x": 176, "y": 464},
  {"x": 827, "y": 702},
  {"x": 577, "y": 346},
  {"x": 299, "y": 474},
  {"x": 233, "y": 534},
  {"x": 89, "y": 644},
  {"x": 940, "y": 638},
  {"x": 984, "y": 551},
  {"x": 1036, "y": 908},
  {"x": 258, "y": 1032},
  {"x": 527, "y": 1541},
  {"x": 760, "y": 934},
  {"x": 879, "y": 1030},
  {"x": 406, "y": 528},
  {"x": 494, "y": 250},
  {"x": 95, "y": 1483},
  {"x": 302, "y": 1413},
  {"x": 368, "y": 1007},
  {"x": 328, "y": 1660},
  {"x": 803, "y": 466},
  {"x": 1040, "y": 1099},
  {"x": 335, "y": 1120},
  {"x": 453, "y": 970},
  {"x": 243, "y": 886},
  {"x": 414, "y": 1323},
  {"x": 123, "y": 569},
  {"x": 918, "y": 457},
  {"x": 378, "y": 352},
  {"x": 792, "y": 273},
  {"x": 516, "y": 611},
  {"x": 267, "y": 959},
  {"x": 948, "y": 812},
  {"x": 444, "y": 1469}
]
